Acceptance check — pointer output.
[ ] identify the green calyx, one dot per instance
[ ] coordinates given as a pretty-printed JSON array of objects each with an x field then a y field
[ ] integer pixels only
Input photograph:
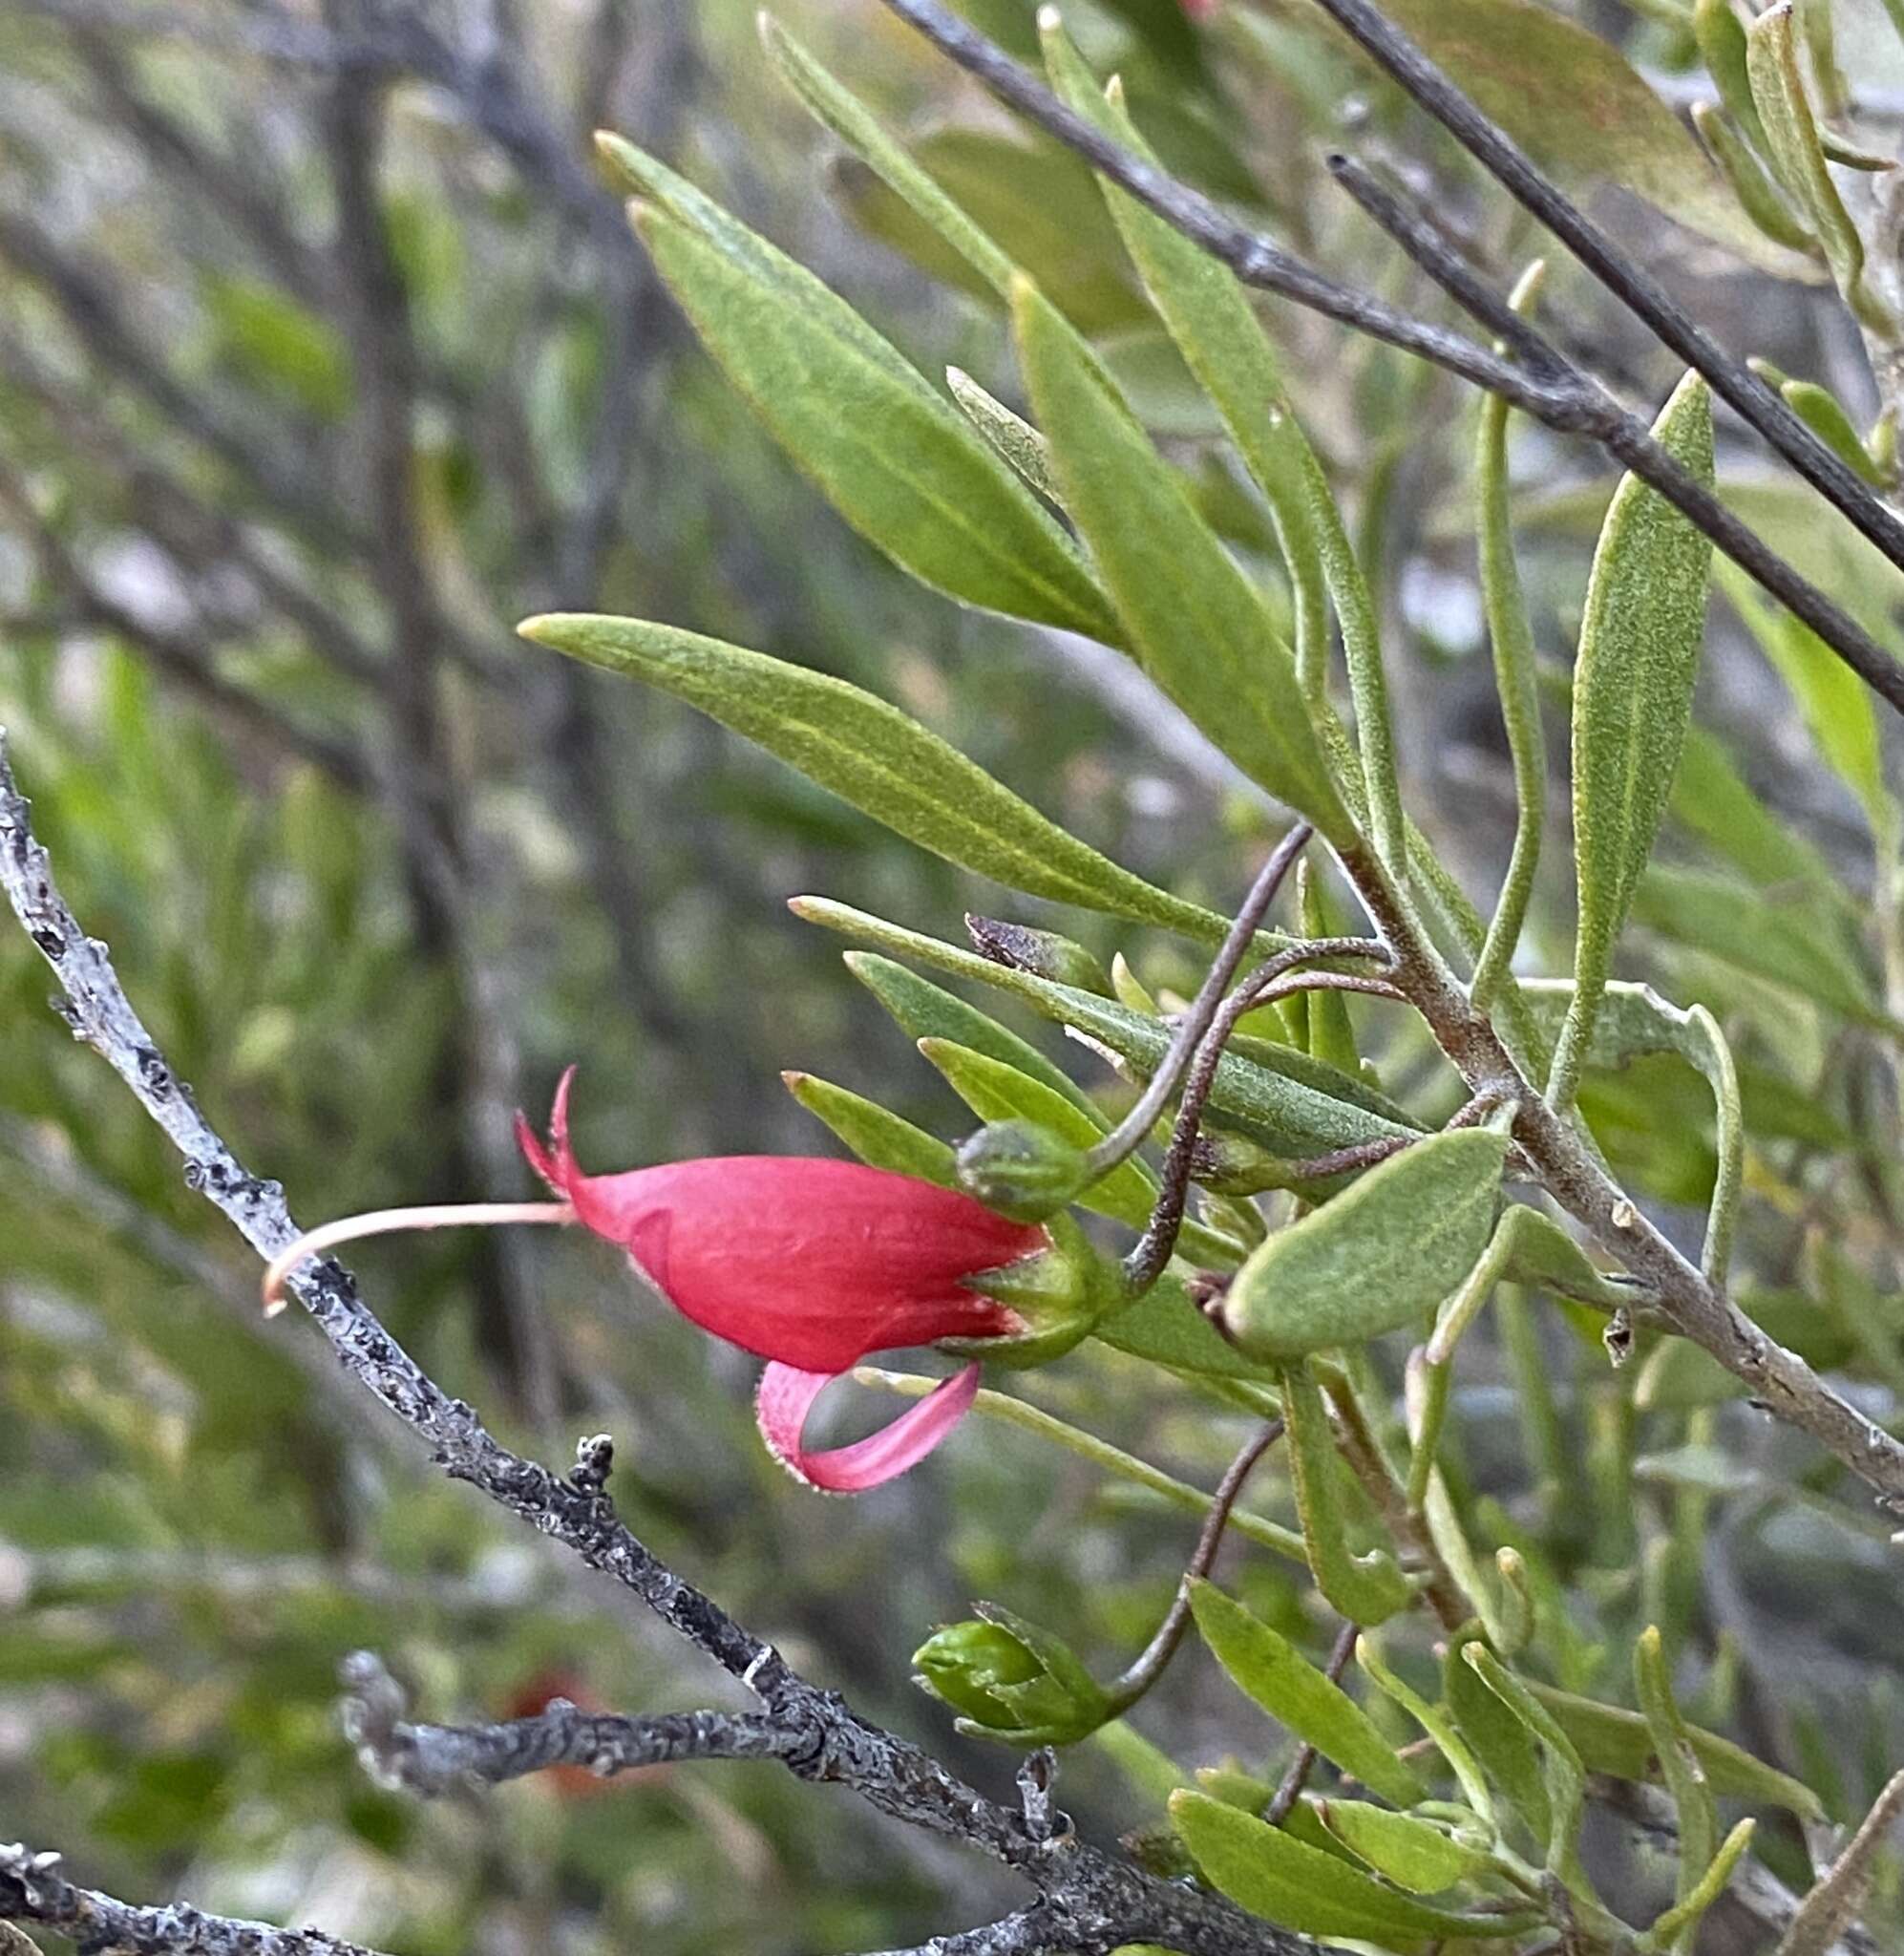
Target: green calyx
[{"x": 1059, "y": 1295}]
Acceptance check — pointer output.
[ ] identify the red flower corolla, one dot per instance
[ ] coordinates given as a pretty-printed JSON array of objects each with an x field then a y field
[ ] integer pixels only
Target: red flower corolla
[{"x": 812, "y": 1265}]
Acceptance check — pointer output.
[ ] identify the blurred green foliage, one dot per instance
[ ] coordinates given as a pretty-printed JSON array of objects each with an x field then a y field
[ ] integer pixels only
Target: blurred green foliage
[{"x": 275, "y": 488}]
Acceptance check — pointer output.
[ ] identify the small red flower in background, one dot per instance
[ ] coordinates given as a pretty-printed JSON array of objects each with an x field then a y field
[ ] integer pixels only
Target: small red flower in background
[{"x": 812, "y": 1265}]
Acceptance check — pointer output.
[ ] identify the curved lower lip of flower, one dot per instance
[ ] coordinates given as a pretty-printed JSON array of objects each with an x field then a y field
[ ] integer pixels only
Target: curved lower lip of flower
[{"x": 786, "y": 1395}]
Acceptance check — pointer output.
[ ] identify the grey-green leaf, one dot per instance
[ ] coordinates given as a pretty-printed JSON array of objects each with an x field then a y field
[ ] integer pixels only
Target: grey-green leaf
[
  {"x": 878, "y": 1136},
  {"x": 897, "y": 459},
  {"x": 1380, "y": 1255},
  {"x": 1301, "y": 1108},
  {"x": 1413, "y": 1853},
  {"x": 1197, "y": 625},
  {"x": 1640, "y": 644},
  {"x": 1263, "y": 1869},
  {"x": 1797, "y": 156},
  {"x": 874, "y": 757},
  {"x": 925, "y": 1010},
  {"x": 1266, "y": 1667}
]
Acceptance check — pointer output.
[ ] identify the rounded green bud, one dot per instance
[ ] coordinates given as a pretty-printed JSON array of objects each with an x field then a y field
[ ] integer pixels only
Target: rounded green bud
[
  {"x": 1044, "y": 954},
  {"x": 1011, "y": 1680},
  {"x": 1022, "y": 1170}
]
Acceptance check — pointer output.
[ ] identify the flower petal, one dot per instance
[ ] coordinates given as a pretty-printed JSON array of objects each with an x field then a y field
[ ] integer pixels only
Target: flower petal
[{"x": 786, "y": 1395}]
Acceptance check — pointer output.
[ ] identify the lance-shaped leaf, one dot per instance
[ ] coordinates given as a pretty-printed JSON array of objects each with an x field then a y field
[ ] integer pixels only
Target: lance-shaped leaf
[
  {"x": 1208, "y": 314},
  {"x": 880, "y": 1137},
  {"x": 1697, "y": 1816},
  {"x": 1265, "y": 1665},
  {"x": 925, "y": 1010},
  {"x": 1610, "y": 1739},
  {"x": 1366, "y": 1588},
  {"x": 874, "y": 757},
  {"x": 1263, "y": 1869},
  {"x": 1561, "y": 1769},
  {"x": 1583, "y": 112},
  {"x": 1414, "y": 1854},
  {"x": 996, "y": 1090},
  {"x": 1640, "y": 643},
  {"x": 1797, "y": 156},
  {"x": 1302, "y": 1107},
  {"x": 862, "y": 132},
  {"x": 1380, "y": 1255},
  {"x": 1197, "y": 625},
  {"x": 1498, "y": 1739},
  {"x": 892, "y": 456}
]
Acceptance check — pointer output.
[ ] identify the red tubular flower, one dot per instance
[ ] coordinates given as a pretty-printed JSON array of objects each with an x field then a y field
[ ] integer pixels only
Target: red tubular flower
[{"x": 812, "y": 1265}]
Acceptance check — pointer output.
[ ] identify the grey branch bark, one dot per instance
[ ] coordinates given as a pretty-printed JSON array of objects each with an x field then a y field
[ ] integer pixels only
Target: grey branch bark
[
  {"x": 32, "y": 1889},
  {"x": 1087, "y": 1900}
]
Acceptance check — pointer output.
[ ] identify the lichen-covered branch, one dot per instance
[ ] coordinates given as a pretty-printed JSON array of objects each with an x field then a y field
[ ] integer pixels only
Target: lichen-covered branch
[
  {"x": 32, "y": 1889},
  {"x": 1088, "y": 1900}
]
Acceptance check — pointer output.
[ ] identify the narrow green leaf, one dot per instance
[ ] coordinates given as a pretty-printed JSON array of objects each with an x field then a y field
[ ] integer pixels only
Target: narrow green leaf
[
  {"x": 1207, "y": 313},
  {"x": 856, "y": 125},
  {"x": 1583, "y": 112},
  {"x": 1824, "y": 413},
  {"x": 1197, "y": 624},
  {"x": 1063, "y": 233},
  {"x": 1561, "y": 1769},
  {"x": 1640, "y": 644},
  {"x": 1366, "y": 1589},
  {"x": 1262, "y": 1869},
  {"x": 1305, "y": 1110},
  {"x": 874, "y": 757},
  {"x": 1610, "y": 1739},
  {"x": 1433, "y": 1720},
  {"x": 1014, "y": 439},
  {"x": 925, "y": 1010},
  {"x": 895, "y": 458},
  {"x": 1696, "y": 1813},
  {"x": 1721, "y": 45},
  {"x": 1683, "y": 1917},
  {"x": 1758, "y": 197},
  {"x": 1380, "y": 1255},
  {"x": 1511, "y": 635},
  {"x": 1266, "y": 1667},
  {"x": 878, "y": 1136},
  {"x": 1712, "y": 801},
  {"x": 1500, "y": 1741},
  {"x": 1835, "y": 706},
  {"x": 1414, "y": 1854},
  {"x": 1797, "y": 157}
]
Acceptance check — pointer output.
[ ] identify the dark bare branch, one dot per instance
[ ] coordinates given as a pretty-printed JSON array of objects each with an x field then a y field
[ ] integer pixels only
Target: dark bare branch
[
  {"x": 1567, "y": 399},
  {"x": 1090, "y": 1901}
]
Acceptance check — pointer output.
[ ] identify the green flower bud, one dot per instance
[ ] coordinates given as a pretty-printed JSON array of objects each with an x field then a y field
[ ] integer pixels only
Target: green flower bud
[
  {"x": 1042, "y": 952},
  {"x": 1011, "y": 1680},
  {"x": 1022, "y": 1170}
]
